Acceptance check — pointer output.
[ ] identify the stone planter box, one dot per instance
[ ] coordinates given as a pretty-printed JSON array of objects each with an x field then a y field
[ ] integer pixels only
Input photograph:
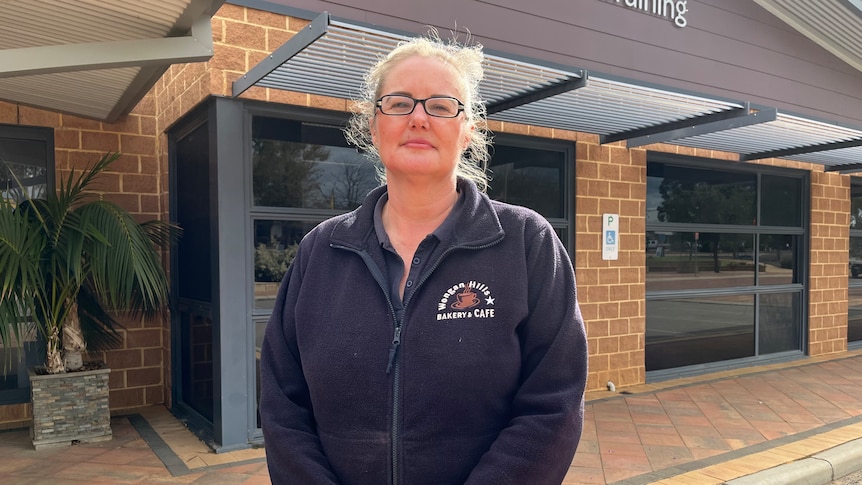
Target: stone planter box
[{"x": 70, "y": 408}]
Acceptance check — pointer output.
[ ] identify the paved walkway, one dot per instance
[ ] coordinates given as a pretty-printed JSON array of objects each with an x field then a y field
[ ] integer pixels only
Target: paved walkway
[{"x": 709, "y": 429}]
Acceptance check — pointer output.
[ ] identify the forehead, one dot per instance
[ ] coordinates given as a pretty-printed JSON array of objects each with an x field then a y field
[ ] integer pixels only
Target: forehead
[{"x": 422, "y": 76}]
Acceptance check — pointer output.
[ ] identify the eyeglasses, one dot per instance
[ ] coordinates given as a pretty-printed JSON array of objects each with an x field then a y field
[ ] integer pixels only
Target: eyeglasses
[{"x": 438, "y": 106}]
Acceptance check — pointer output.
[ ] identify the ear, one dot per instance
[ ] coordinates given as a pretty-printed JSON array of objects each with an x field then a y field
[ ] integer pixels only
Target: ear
[{"x": 468, "y": 134}]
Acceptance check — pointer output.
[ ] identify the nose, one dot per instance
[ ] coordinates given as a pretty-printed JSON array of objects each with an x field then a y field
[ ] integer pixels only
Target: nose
[{"x": 419, "y": 117}]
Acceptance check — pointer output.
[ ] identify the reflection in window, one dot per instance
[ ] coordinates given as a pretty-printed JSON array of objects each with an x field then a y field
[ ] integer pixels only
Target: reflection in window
[
  {"x": 686, "y": 194},
  {"x": 694, "y": 331},
  {"x": 710, "y": 238},
  {"x": 23, "y": 168},
  {"x": 780, "y": 201},
  {"x": 530, "y": 177},
  {"x": 302, "y": 165},
  {"x": 854, "y": 320},
  {"x": 778, "y": 259},
  {"x": 275, "y": 246},
  {"x": 779, "y": 323},
  {"x": 689, "y": 260}
]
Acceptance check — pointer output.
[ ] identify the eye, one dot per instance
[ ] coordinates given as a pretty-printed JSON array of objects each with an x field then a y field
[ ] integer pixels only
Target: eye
[
  {"x": 442, "y": 106},
  {"x": 397, "y": 103}
]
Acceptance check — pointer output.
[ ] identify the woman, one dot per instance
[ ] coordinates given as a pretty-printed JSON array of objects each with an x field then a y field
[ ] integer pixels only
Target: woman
[{"x": 432, "y": 335}]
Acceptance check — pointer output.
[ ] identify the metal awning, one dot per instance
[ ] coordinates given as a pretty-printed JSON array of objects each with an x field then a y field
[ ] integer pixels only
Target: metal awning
[
  {"x": 97, "y": 59},
  {"x": 330, "y": 58},
  {"x": 835, "y": 25}
]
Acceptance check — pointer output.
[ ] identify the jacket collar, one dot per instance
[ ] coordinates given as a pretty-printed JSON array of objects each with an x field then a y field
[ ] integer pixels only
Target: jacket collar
[{"x": 476, "y": 225}]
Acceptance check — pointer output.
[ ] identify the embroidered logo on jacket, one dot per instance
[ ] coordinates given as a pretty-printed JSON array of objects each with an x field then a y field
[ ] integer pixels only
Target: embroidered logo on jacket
[{"x": 466, "y": 300}]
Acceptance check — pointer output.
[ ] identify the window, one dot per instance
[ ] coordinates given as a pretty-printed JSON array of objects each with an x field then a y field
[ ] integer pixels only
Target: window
[
  {"x": 26, "y": 170},
  {"x": 724, "y": 252},
  {"x": 854, "y": 317},
  {"x": 535, "y": 173}
]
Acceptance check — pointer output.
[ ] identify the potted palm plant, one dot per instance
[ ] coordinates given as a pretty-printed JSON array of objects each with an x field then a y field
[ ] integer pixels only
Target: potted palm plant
[{"x": 71, "y": 261}]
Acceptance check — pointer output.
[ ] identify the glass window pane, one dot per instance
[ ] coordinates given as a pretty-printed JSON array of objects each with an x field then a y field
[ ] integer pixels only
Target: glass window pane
[
  {"x": 692, "y": 260},
  {"x": 684, "y": 332},
  {"x": 23, "y": 169},
  {"x": 697, "y": 195},
  {"x": 194, "y": 274},
  {"x": 275, "y": 246},
  {"x": 780, "y": 322},
  {"x": 854, "y": 319},
  {"x": 856, "y": 205},
  {"x": 301, "y": 165},
  {"x": 530, "y": 177},
  {"x": 780, "y": 201},
  {"x": 778, "y": 260},
  {"x": 855, "y": 259}
]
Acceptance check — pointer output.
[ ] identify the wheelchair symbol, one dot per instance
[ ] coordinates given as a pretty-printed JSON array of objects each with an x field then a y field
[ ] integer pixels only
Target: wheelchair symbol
[{"x": 610, "y": 237}]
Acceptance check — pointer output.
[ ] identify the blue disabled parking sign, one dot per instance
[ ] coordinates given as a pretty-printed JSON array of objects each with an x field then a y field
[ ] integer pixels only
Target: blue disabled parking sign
[{"x": 610, "y": 229}]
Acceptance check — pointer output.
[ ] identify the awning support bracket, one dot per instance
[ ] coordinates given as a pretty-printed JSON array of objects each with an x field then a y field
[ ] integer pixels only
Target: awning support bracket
[
  {"x": 304, "y": 38},
  {"x": 532, "y": 96}
]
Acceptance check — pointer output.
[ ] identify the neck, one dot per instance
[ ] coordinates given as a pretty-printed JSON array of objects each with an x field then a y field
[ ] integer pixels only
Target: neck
[{"x": 414, "y": 211}]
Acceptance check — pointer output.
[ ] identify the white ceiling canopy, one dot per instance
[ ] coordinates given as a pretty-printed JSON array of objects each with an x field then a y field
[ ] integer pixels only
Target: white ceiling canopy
[
  {"x": 330, "y": 57},
  {"x": 97, "y": 58},
  {"x": 835, "y": 25}
]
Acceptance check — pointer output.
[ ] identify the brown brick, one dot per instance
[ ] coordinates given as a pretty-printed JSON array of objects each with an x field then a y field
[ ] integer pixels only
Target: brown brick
[
  {"x": 70, "y": 121},
  {"x": 126, "y": 398},
  {"x": 117, "y": 379},
  {"x": 148, "y": 376},
  {"x": 153, "y": 357},
  {"x": 155, "y": 395},
  {"x": 100, "y": 141},
  {"x": 38, "y": 117},
  {"x": 296, "y": 24},
  {"x": 123, "y": 359},
  {"x": 230, "y": 11},
  {"x": 266, "y": 19},
  {"x": 140, "y": 184},
  {"x": 130, "y": 202},
  {"x": 8, "y": 113},
  {"x": 245, "y": 35},
  {"x": 150, "y": 204},
  {"x": 143, "y": 338},
  {"x": 137, "y": 144},
  {"x": 67, "y": 139}
]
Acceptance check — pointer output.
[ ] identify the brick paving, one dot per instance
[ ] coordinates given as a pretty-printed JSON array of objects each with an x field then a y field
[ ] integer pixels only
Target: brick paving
[{"x": 706, "y": 429}]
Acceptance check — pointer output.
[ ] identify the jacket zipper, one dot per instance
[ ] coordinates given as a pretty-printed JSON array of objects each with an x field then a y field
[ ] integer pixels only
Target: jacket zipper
[{"x": 392, "y": 364}]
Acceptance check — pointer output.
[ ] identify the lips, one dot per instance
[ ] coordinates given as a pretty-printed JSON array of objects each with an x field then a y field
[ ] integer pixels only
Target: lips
[{"x": 418, "y": 143}]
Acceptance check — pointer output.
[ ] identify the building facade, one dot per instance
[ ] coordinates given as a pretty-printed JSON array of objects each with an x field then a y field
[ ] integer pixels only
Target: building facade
[{"x": 719, "y": 140}]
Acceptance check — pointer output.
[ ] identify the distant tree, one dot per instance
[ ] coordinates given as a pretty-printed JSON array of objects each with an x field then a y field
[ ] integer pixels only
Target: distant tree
[
  {"x": 286, "y": 174},
  {"x": 707, "y": 203}
]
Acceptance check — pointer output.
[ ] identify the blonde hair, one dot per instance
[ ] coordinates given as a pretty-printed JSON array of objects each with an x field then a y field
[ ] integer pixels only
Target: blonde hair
[{"x": 467, "y": 64}]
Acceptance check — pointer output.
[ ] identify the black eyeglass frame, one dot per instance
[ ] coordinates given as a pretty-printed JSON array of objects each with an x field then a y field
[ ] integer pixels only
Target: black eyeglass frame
[{"x": 379, "y": 105}]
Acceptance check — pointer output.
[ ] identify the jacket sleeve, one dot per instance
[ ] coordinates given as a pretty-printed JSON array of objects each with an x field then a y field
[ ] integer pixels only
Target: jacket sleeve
[
  {"x": 540, "y": 440},
  {"x": 293, "y": 450}
]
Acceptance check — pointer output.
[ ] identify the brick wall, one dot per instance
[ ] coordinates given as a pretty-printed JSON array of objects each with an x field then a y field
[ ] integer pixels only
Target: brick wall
[{"x": 830, "y": 247}]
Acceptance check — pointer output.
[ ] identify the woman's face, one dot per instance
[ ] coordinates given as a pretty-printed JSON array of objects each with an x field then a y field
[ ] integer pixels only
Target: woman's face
[{"x": 419, "y": 144}]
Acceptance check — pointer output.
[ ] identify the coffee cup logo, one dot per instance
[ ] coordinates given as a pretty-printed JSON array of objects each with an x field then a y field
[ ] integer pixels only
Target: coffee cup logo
[{"x": 465, "y": 299}]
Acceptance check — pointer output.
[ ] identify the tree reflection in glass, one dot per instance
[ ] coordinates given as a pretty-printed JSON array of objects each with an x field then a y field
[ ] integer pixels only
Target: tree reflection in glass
[{"x": 309, "y": 176}]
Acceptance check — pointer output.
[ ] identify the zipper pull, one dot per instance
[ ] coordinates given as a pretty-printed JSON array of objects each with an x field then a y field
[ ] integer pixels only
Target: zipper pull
[{"x": 396, "y": 341}]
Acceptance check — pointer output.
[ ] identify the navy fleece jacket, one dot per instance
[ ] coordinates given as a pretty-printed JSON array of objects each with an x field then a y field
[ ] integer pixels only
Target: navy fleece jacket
[{"x": 489, "y": 370}]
